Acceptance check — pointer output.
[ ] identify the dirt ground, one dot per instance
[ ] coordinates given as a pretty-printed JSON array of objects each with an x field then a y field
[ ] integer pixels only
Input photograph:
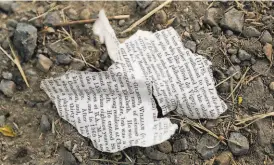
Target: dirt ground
[{"x": 235, "y": 36}]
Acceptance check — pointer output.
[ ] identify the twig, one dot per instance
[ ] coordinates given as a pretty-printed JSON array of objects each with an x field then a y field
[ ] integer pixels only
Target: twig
[
  {"x": 226, "y": 79},
  {"x": 34, "y": 18},
  {"x": 146, "y": 17},
  {"x": 127, "y": 156},
  {"x": 252, "y": 119},
  {"x": 16, "y": 61},
  {"x": 90, "y": 20}
]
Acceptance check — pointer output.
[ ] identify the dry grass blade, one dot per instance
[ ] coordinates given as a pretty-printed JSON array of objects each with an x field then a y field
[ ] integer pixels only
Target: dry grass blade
[
  {"x": 70, "y": 37},
  {"x": 249, "y": 120},
  {"x": 51, "y": 9},
  {"x": 226, "y": 79},
  {"x": 146, "y": 16},
  {"x": 16, "y": 61}
]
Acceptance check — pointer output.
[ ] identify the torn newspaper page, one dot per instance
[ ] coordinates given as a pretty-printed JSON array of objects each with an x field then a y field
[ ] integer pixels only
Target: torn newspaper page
[{"x": 116, "y": 109}]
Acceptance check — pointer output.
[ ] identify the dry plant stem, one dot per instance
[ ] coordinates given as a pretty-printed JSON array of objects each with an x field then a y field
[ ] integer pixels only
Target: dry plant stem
[
  {"x": 225, "y": 79},
  {"x": 253, "y": 119},
  {"x": 16, "y": 61},
  {"x": 146, "y": 17},
  {"x": 90, "y": 20},
  {"x": 34, "y": 18}
]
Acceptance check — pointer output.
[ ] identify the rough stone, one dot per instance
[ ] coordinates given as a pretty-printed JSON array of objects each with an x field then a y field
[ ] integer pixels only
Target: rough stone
[
  {"x": 216, "y": 30},
  {"x": 181, "y": 159},
  {"x": 144, "y": 4},
  {"x": 85, "y": 14},
  {"x": 78, "y": 157},
  {"x": 155, "y": 154},
  {"x": 223, "y": 159},
  {"x": 261, "y": 67},
  {"x": 7, "y": 75},
  {"x": 45, "y": 125},
  {"x": 253, "y": 60},
  {"x": 271, "y": 86},
  {"x": 2, "y": 120},
  {"x": 251, "y": 32},
  {"x": 59, "y": 48},
  {"x": 233, "y": 69},
  {"x": 66, "y": 157},
  {"x": 180, "y": 145},
  {"x": 235, "y": 60},
  {"x": 44, "y": 63},
  {"x": 72, "y": 14},
  {"x": 160, "y": 17},
  {"x": 224, "y": 87},
  {"x": 229, "y": 32},
  {"x": 12, "y": 23},
  {"x": 264, "y": 135},
  {"x": 191, "y": 45},
  {"x": 5, "y": 5},
  {"x": 165, "y": 147},
  {"x": 203, "y": 149},
  {"x": 232, "y": 51},
  {"x": 68, "y": 145},
  {"x": 185, "y": 128},
  {"x": 7, "y": 87},
  {"x": 25, "y": 38},
  {"x": 63, "y": 59},
  {"x": 243, "y": 55},
  {"x": 77, "y": 65},
  {"x": 266, "y": 37},
  {"x": 233, "y": 20},
  {"x": 242, "y": 146},
  {"x": 52, "y": 18},
  {"x": 212, "y": 16},
  {"x": 121, "y": 22}
]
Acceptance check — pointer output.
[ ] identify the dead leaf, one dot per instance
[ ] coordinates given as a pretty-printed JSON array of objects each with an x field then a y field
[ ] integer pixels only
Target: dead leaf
[
  {"x": 268, "y": 51},
  {"x": 7, "y": 131}
]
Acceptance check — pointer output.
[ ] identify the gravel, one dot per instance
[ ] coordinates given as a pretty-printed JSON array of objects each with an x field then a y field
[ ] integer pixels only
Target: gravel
[
  {"x": 233, "y": 20},
  {"x": 212, "y": 16},
  {"x": 243, "y": 55},
  {"x": 85, "y": 14},
  {"x": 271, "y": 86},
  {"x": 243, "y": 144},
  {"x": 5, "y": 6},
  {"x": 52, "y": 18},
  {"x": 165, "y": 147},
  {"x": 7, "y": 87},
  {"x": 235, "y": 60},
  {"x": 155, "y": 154},
  {"x": 233, "y": 69},
  {"x": 45, "y": 125},
  {"x": 251, "y": 32},
  {"x": 66, "y": 157},
  {"x": 68, "y": 145},
  {"x": 144, "y": 4},
  {"x": 63, "y": 59},
  {"x": 2, "y": 120},
  {"x": 44, "y": 63},
  {"x": 160, "y": 17},
  {"x": 224, "y": 158},
  {"x": 7, "y": 75},
  {"x": 232, "y": 51},
  {"x": 203, "y": 149},
  {"x": 191, "y": 45},
  {"x": 180, "y": 145},
  {"x": 266, "y": 37}
]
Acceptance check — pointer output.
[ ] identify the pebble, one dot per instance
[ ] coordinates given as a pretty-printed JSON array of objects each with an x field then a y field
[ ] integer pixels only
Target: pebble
[
  {"x": 233, "y": 20},
  {"x": 229, "y": 32},
  {"x": 25, "y": 39},
  {"x": 185, "y": 128},
  {"x": 233, "y": 69},
  {"x": 224, "y": 87},
  {"x": 191, "y": 45},
  {"x": 160, "y": 17},
  {"x": 165, "y": 147},
  {"x": 68, "y": 145},
  {"x": 232, "y": 51},
  {"x": 253, "y": 61},
  {"x": 2, "y": 120},
  {"x": 67, "y": 157},
  {"x": 63, "y": 59},
  {"x": 251, "y": 32},
  {"x": 143, "y": 4},
  {"x": 44, "y": 63},
  {"x": 7, "y": 75},
  {"x": 243, "y": 144},
  {"x": 268, "y": 51},
  {"x": 52, "y": 18},
  {"x": 121, "y": 22},
  {"x": 59, "y": 48},
  {"x": 78, "y": 157},
  {"x": 45, "y": 125},
  {"x": 216, "y": 30},
  {"x": 243, "y": 55},
  {"x": 85, "y": 14},
  {"x": 5, "y": 5},
  {"x": 155, "y": 154},
  {"x": 203, "y": 146},
  {"x": 211, "y": 16},
  {"x": 266, "y": 37},
  {"x": 77, "y": 65},
  {"x": 180, "y": 145},
  {"x": 7, "y": 87},
  {"x": 211, "y": 124},
  {"x": 12, "y": 23},
  {"x": 271, "y": 86},
  {"x": 261, "y": 67},
  {"x": 235, "y": 60},
  {"x": 15, "y": 7},
  {"x": 223, "y": 159},
  {"x": 72, "y": 14}
]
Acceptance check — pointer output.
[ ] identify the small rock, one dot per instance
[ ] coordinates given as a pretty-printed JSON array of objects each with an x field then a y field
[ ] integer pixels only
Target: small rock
[
  {"x": 211, "y": 124},
  {"x": 52, "y": 18},
  {"x": 5, "y": 44},
  {"x": 233, "y": 20},
  {"x": 68, "y": 145},
  {"x": 155, "y": 154},
  {"x": 121, "y": 22},
  {"x": 197, "y": 26},
  {"x": 268, "y": 51},
  {"x": 229, "y": 32},
  {"x": 160, "y": 17},
  {"x": 143, "y": 4},
  {"x": 15, "y": 7},
  {"x": 224, "y": 87},
  {"x": 7, "y": 87},
  {"x": 59, "y": 48},
  {"x": 45, "y": 125},
  {"x": 44, "y": 63},
  {"x": 223, "y": 159},
  {"x": 74, "y": 148},
  {"x": 243, "y": 55},
  {"x": 203, "y": 146},
  {"x": 78, "y": 157},
  {"x": 252, "y": 60},
  {"x": 25, "y": 38},
  {"x": 12, "y": 23},
  {"x": 233, "y": 69},
  {"x": 72, "y": 14},
  {"x": 5, "y": 5},
  {"x": 85, "y": 14},
  {"x": 266, "y": 37},
  {"x": 235, "y": 60},
  {"x": 67, "y": 157},
  {"x": 63, "y": 59},
  {"x": 185, "y": 128},
  {"x": 261, "y": 67},
  {"x": 242, "y": 145},
  {"x": 232, "y": 51},
  {"x": 2, "y": 120},
  {"x": 7, "y": 75},
  {"x": 271, "y": 86},
  {"x": 212, "y": 16},
  {"x": 180, "y": 145},
  {"x": 251, "y": 32},
  {"x": 216, "y": 30},
  {"x": 165, "y": 147},
  {"x": 191, "y": 45},
  {"x": 77, "y": 65}
]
